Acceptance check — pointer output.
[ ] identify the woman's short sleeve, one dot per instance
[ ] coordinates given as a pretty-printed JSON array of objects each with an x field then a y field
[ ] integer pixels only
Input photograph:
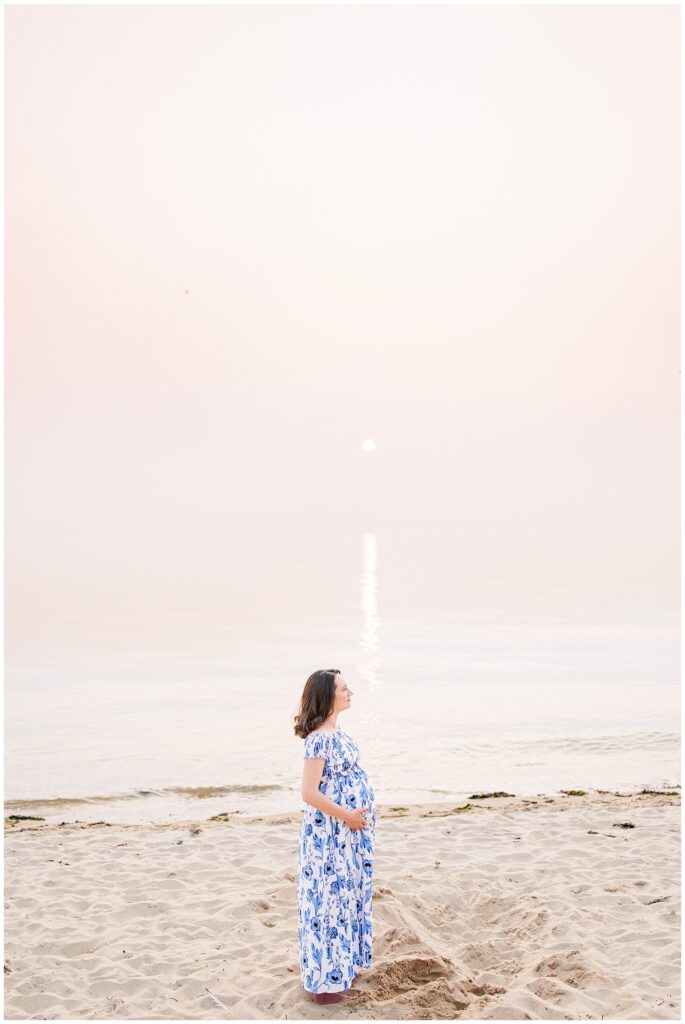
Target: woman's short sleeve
[{"x": 316, "y": 745}]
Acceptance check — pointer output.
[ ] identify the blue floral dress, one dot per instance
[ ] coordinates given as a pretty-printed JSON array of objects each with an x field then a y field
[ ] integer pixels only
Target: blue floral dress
[{"x": 335, "y": 869}]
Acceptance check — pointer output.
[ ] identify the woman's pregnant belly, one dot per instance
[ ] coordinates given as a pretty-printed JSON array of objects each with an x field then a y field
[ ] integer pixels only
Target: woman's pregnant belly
[{"x": 356, "y": 793}]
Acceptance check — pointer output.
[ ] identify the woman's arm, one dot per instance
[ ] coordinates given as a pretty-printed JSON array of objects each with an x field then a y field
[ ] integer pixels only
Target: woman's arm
[{"x": 312, "y": 770}]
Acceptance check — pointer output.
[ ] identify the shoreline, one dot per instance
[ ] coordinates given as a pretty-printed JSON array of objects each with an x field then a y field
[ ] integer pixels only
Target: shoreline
[{"x": 386, "y": 811}]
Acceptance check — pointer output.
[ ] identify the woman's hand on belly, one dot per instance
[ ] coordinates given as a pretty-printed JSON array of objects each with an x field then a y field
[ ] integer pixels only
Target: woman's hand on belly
[{"x": 356, "y": 819}]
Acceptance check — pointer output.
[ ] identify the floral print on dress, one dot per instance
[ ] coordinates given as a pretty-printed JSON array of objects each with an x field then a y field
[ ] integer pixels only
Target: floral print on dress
[{"x": 335, "y": 871}]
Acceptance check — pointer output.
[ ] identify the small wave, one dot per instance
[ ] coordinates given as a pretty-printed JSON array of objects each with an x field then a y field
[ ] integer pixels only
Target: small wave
[
  {"x": 65, "y": 801},
  {"x": 601, "y": 743},
  {"x": 202, "y": 792},
  {"x": 191, "y": 792},
  {"x": 621, "y": 742}
]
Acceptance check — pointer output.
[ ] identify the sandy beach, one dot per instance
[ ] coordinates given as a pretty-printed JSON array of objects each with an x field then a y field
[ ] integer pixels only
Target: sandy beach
[{"x": 500, "y": 908}]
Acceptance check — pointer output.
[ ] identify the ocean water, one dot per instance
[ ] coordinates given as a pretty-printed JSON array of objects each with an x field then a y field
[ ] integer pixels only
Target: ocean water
[{"x": 469, "y": 675}]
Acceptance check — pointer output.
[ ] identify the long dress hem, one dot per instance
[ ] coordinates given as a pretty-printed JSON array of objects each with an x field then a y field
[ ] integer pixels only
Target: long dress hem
[{"x": 341, "y": 988}]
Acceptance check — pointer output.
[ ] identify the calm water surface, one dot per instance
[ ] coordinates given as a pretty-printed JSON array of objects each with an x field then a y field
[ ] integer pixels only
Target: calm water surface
[{"x": 465, "y": 679}]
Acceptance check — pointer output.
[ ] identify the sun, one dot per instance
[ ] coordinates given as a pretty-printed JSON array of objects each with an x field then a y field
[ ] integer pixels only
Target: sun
[{"x": 368, "y": 444}]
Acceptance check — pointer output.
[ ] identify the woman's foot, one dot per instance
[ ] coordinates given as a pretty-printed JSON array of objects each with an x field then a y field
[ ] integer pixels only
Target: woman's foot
[{"x": 328, "y": 997}]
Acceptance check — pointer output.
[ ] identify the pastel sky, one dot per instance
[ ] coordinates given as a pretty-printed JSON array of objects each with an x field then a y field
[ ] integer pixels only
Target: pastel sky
[{"x": 240, "y": 240}]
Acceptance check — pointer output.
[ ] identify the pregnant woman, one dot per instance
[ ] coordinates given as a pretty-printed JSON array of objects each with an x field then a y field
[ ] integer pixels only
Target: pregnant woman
[{"x": 335, "y": 860}]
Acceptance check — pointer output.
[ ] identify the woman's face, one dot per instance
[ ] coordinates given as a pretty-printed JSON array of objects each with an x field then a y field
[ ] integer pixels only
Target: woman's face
[{"x": 343, "y": 694}]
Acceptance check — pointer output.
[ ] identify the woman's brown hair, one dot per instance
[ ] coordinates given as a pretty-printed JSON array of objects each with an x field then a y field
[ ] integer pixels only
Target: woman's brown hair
[{"x": 316, "y": 702}]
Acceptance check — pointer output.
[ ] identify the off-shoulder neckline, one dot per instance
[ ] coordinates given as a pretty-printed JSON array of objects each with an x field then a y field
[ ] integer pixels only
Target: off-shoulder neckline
[{"x": 326, "y": 732}]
